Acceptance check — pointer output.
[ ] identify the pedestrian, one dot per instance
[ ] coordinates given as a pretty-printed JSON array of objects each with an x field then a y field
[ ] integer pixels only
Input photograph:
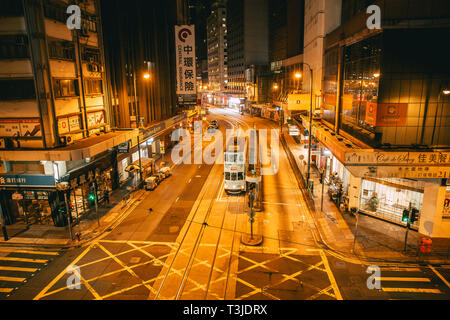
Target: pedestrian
[{"x": 106, "y": 196}]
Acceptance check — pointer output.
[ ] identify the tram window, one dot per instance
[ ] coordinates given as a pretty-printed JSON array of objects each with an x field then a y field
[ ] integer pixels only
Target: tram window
[
  {"x": 240, "y": 176},
  {"x": 233, "y": 177},
  {"x": 227, "y": 176}
]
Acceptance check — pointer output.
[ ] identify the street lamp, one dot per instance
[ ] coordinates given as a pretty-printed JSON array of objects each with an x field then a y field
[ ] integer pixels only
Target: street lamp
[{"x": 147, "y": 76}]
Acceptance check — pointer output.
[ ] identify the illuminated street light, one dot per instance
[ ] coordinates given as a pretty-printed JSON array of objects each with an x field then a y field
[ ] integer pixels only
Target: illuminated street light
[
  {"x": 275, "y": 86},
  {"x": 147, "y": 76},
  {"x": 446, "y": 91},
  {"x": 376, "y": 75},
  {"x": 298, "y": 75}
]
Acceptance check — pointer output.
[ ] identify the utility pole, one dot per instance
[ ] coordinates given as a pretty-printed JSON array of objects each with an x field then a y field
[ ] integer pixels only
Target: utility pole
[{"x": 96, "y": 203}]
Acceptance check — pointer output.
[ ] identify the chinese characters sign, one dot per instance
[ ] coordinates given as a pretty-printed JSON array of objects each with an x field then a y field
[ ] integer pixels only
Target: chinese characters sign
[
  {"x": 26, "y": 180},
  {"x": 399, "y": 158},
  {"x": 20, "y": 128},
  {"x": 185, "y": 56}
]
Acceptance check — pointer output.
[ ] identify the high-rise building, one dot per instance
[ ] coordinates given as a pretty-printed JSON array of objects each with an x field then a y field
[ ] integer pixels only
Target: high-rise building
[
  {"x": 385, "y": 128},
  {"x": 217, "y": 47},
  {"x": 65, "y": 127},
  {"x": 248, "y": 41},
  {"x": 321, "y": 17}
]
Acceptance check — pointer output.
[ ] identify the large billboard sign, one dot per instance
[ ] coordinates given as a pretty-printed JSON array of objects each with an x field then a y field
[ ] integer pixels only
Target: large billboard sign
[
  {"x": 298, "y": 102},
  {"x": 185, "y": 56}
]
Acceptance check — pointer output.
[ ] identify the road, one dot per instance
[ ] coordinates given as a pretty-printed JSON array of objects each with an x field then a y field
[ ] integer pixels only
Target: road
[{"x": 189, "y": 248}]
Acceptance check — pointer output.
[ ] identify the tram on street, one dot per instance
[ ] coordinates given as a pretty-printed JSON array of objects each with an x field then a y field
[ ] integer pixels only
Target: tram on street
[{"x": 235, "y": 166}]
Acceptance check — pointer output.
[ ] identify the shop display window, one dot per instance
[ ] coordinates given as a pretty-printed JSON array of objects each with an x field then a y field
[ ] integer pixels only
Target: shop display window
[{"x": 388, "y": 198}]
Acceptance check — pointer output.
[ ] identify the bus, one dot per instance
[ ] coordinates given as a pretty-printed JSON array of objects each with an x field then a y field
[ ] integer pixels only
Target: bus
[{"x": 235, "y": 166}]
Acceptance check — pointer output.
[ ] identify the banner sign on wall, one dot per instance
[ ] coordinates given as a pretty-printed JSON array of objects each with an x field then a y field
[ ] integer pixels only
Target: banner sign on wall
[
  {"x": 298, "y": 102},
  {"x": 20, "y": 127},
  {"x": 185, "y": 57},
  {"x": 386, "y": 114}
]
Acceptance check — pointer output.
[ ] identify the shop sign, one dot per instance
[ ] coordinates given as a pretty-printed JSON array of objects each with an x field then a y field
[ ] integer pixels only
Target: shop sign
[
  {"x": 124, "y": 147},
  {"x": 413, "y": 172},
  {"x": 26, "y": 181},
  {"x": 185, "y": 60},
  {"x": 391, "y": 114},
  {"x": 29, "y": 195},
  {"x": 42, "y": 195},
  {"x": 20, "y": 127},
  {"x": 17, "y": 196},
  {"x": 153, "y": 130},
  {"x": 371, "y": 114},
  {"x": 402, "y": 158}
]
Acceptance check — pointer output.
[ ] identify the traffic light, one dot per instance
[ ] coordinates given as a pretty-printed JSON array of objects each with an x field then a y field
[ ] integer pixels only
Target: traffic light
[
  {"x": 91, "y": 198},
  {"x": 414, "y": 215},
  {"x": 405, "y": 216}
]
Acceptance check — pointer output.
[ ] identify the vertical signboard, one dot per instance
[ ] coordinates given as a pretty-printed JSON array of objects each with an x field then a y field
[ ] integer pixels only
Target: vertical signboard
[{"x": 186, "y": 64}]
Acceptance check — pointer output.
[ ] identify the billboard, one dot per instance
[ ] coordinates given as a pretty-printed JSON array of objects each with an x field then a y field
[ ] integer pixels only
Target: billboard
[
  {"x": 298, "y": 102},
  {"x": 186, "y": 62},
  {"x": 386, "y": 114},
  {"x": 20, "y": 128}
]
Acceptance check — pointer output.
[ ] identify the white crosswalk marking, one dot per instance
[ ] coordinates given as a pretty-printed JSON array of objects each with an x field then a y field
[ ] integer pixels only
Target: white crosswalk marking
[{"x": 17, "y": 265}]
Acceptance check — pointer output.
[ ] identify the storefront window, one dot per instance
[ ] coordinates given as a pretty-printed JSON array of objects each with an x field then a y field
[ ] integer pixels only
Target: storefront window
[{"x": 388, "y": 198}]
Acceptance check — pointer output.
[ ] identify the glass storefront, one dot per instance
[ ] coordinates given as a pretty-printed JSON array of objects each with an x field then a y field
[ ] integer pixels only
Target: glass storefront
[{"x": 388, "y": 198}]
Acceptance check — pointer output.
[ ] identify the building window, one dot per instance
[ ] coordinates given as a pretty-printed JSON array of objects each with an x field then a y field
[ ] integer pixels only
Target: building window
[
  {"x": 93, "y": 86},
  {"x": 65, "y": 88},
  {"x": 17, "y": 90},
  {"x": 14, "y": 47},
  {"x": 11, "y": 8},
  {"x": 55, "y": 12},
  {"x": 63, "y": 50}
]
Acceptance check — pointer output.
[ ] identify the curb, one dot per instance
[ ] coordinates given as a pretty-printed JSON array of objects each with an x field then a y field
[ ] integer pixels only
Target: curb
[{"x": 325, "y": 244}]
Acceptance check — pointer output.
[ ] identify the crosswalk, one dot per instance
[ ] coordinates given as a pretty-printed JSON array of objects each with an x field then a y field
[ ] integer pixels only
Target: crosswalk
[
  {"x": 18, "y": 265},
  {"x": 412, "y": 283}
]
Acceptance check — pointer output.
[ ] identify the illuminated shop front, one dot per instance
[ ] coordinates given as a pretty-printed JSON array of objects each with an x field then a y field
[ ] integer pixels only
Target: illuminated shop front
[{"x": 387, "y": 198}]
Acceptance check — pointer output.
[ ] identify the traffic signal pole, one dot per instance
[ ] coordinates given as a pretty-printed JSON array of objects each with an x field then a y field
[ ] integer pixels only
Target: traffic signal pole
[
  {"x": 408, "y": 224},
  {"x": 69, "y": 215}
]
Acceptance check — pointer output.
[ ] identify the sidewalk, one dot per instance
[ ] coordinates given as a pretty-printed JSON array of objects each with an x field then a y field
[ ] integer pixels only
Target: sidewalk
[
  {"x": 108, "y": 214},
  {"x": 375, "y": 239}
]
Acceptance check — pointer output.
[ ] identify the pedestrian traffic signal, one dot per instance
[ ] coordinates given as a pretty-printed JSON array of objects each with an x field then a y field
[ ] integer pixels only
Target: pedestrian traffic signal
[
  {"x": 91, "y": 197},
  {"x": 414, "y": 215},
  {"x": 405, "y": 216}
]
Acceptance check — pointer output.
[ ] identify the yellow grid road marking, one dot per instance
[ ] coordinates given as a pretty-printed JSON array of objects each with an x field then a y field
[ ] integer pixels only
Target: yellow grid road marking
[
  {"x": 440, "y": 276},
  {"x": 331, "y": 276},
  {"x": 23, "y": 260},
  {"x": 12, "y": 279},
  {"x": 125, "y": 267},
  {"x": 18, "y": 269},
  {"x": 399, "y": 269},
  {"x": 44, "y": 291},
  {"x": 412, "y": 290}
]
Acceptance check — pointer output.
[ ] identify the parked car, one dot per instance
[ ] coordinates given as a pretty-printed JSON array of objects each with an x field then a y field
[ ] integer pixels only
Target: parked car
[
  {"x": 214, "y": 124},
  {"x": 151, "y": 183},
  {"x": 166, "y": 171}
]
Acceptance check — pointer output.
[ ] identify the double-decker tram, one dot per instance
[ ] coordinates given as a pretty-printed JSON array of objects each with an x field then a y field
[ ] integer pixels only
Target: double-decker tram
[{"x": 235, "y": 166}]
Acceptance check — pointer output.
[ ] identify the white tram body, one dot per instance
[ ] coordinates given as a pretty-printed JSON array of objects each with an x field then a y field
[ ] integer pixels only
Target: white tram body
[{"x": 235, "y": 167}]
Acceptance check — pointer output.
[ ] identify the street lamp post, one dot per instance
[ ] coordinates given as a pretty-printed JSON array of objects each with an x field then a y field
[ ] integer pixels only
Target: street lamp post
[
  {"x": 310, "y": 123},
  {"x": 445, "y": 92}
]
